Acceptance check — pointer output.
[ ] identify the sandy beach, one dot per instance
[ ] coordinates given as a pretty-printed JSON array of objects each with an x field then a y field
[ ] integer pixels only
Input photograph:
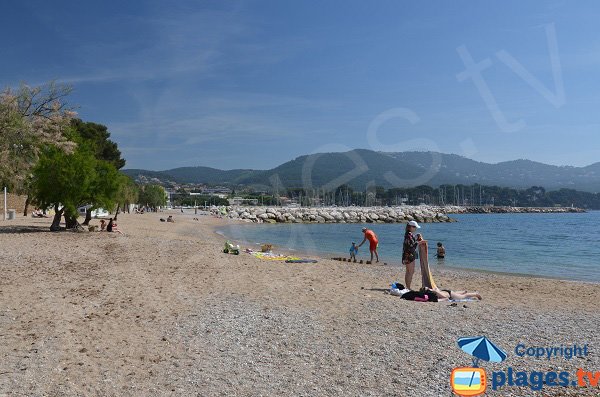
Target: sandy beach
[{"x": 161, "y": 311}]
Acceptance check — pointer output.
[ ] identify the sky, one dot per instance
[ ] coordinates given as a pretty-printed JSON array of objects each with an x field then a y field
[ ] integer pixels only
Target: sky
[{"x": 252, "y": 84}]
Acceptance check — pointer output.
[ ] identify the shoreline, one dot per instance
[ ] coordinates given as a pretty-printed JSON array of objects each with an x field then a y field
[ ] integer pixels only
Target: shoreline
[{"x": 216, "y": 229}]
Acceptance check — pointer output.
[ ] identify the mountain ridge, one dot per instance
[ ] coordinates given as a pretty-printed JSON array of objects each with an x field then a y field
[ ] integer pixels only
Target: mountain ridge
[{"x": 361, "y": 168}]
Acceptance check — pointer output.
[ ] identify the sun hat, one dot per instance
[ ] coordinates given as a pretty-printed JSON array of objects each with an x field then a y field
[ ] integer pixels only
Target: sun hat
[{"x": 415, "y": 224}]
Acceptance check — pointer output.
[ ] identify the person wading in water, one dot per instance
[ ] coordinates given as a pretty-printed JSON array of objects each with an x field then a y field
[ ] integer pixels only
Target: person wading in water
[{"x": 373, "y": 242}]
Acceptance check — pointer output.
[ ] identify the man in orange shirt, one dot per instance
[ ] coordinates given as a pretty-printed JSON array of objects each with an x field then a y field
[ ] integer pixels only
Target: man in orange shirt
[{"x": 373, "y": 242}]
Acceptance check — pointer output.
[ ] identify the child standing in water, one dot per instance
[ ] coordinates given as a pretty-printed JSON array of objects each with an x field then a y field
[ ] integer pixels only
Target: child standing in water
[{"x": 353, "y": 252}]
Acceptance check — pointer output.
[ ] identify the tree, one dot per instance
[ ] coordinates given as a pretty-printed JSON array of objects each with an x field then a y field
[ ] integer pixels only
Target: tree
[
  {"x": 66, "y": 181},
  {"x": 98, "y": 137},
  {"x": 127, "y": 194},
  {"x": 62, "y": 181},
  {"x": 153, "y": 196},
  {"x": 31, "y": 118},
  {"x": 103, "y": 191}
]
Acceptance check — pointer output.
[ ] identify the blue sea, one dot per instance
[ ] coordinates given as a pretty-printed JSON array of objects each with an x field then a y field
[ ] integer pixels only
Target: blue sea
[{"x": 565, "y": 246}]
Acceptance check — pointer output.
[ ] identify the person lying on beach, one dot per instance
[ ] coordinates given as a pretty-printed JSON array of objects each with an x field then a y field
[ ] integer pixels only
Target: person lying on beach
[
  {"x": 410, "y": 295},
  {"x": 170, "y": 219},
  {"x": 38, "y": 214},
  {"x": 431, "y": 295},
  {"x": 446, "y": 294}
]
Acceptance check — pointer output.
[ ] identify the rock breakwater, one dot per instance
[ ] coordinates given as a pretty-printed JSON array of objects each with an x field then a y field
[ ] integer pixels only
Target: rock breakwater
[{"x": 400, "y": 214}]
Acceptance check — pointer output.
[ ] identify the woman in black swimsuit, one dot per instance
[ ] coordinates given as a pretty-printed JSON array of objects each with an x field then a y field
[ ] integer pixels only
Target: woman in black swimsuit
[{"x": 409, "y": 251}]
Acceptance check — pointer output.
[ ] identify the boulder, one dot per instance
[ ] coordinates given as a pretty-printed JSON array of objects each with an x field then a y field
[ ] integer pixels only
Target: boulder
[{"x": 338, "y": 216}]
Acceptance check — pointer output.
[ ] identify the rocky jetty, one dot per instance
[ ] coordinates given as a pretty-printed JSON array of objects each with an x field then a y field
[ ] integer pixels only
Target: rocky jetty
[
  {"x": 510, "y": 210},
  {"x": 334, "y": 214},
  {"x": 401, "y": 214}
]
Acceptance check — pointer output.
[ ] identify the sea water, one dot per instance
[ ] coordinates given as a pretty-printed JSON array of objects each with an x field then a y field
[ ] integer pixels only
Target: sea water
[{"x": 565, "y": 246}]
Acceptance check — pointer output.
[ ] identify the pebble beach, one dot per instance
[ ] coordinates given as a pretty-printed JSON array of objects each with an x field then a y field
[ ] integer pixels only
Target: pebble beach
[{"x": 162, "y": 311}]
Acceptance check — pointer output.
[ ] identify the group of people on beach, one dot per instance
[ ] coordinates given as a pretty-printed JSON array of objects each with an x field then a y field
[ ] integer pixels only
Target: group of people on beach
[{"x": 410, "y": 246}]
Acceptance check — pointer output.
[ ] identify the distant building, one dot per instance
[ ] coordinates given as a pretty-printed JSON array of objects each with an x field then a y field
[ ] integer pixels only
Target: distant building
[
  {"x": 242, "y": 201},
  {"x": 216, "y": 191}
]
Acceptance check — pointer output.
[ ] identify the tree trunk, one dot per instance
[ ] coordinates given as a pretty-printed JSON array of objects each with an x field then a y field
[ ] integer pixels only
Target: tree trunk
[
  {"x": 71, "y": 222},
  {"x": 56, "y": 221},
  {"x": 117, "y": 211},
  {"x": 88, "y": 217},
  {"x": 26, "y": 206}
]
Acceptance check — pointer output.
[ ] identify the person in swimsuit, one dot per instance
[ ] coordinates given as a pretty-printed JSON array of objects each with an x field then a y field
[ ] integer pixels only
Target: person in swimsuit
[
  {"x": 373, "y": 242},
  {"x": 446, "y": 294},
  {"x": 409, "y": 251},
  {"x": 441, "y": 251},
  {"x": 112, "y": 227}
]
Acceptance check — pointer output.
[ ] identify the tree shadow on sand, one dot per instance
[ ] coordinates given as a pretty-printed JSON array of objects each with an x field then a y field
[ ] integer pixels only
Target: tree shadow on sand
[{"x": 20, "y": 229}]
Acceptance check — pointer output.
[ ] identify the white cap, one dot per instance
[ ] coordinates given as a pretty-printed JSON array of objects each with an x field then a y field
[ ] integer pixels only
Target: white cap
[{"x": 415, "y": 224}]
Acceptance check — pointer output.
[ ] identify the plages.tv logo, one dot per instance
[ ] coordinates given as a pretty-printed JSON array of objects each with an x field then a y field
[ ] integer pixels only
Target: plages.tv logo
[{"x": 472, "y": 381}]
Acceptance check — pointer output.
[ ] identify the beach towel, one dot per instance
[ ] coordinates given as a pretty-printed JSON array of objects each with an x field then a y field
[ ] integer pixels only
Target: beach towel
[
  {"x": 464, "y": 300},
  {"x": 269, "y": 256},
  {"x": 427, "y": 278}
]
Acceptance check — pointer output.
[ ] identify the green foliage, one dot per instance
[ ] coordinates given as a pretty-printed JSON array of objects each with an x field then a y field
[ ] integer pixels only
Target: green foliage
[
  {"x": 61, "y": 179},
  {"x": 72, "y": 180},
  {"x": 152, "y": 196},
  {"x": 97, "y": 137},
  {"x": 106, "y": 185},
  {"x": 128, "y": 190},
  {"x": 189, "y": 201}
]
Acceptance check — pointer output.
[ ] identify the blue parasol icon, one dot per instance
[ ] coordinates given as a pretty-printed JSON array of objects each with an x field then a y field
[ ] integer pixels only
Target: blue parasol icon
[{"x": 481, "y": 348}]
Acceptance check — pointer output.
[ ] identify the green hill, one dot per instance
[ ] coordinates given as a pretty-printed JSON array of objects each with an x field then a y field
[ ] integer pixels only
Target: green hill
[{"x": 361, "y": 168}]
